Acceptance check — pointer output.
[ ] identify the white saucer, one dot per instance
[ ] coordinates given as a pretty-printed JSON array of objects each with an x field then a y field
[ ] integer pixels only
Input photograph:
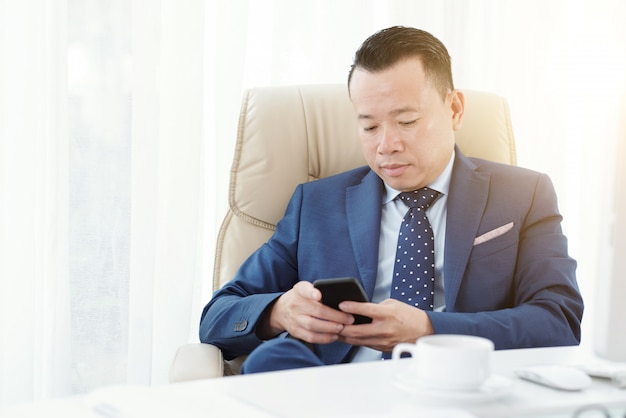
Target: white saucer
[{"x": 494, "y": 388}]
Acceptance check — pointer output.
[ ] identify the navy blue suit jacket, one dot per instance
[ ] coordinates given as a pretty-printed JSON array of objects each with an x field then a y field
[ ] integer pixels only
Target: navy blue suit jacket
[{"x": 518, "y": 289}]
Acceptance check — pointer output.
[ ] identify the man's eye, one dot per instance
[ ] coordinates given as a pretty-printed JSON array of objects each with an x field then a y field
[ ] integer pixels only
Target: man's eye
[
  {"x": 369, "y": 128},
  {"x": 408, "y": 123}
]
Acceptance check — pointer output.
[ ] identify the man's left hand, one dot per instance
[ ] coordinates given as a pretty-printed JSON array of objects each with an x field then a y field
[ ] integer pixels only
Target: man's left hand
[{"x": 393, "y": 322}]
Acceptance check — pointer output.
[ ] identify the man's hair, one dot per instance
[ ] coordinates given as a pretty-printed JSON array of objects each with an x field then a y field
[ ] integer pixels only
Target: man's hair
[{"x": 389, "y": 46}]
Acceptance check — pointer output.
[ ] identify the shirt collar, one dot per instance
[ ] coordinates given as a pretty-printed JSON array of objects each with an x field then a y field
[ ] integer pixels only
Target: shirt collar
[{"x": 440, "y": 184}]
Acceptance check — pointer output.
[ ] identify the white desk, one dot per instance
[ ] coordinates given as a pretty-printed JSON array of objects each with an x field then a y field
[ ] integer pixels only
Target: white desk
[{"x": 351, "y": 390}]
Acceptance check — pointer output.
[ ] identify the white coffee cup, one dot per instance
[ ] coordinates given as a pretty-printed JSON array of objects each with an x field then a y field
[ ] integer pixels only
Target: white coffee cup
[{"x": 448, "y": 361}]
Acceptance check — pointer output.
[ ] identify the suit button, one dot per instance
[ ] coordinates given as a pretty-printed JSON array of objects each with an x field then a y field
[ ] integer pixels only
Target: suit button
[{"x": 241, "y": 326}]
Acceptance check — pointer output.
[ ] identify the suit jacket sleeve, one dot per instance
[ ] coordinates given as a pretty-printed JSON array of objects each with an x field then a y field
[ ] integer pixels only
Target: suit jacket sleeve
[
  {"x": 313, "y": 240},
  {"x": 230, "y": 318}
]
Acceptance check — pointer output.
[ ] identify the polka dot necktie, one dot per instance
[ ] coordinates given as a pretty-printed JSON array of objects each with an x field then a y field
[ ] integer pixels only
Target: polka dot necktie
[
  {"x": 414, "y": 268},
  {"x": 413, "y": 279}
]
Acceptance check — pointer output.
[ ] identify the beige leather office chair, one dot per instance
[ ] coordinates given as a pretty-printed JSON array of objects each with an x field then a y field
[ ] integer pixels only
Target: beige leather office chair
[{"x": 295, "y": 134}]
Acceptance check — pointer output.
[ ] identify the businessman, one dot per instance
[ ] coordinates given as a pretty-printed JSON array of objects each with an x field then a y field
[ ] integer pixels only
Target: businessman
[{"x": 492, "y": 258}]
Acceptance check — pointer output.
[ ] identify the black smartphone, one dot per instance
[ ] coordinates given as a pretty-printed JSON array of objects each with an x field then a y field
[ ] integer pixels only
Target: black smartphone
[{"x": 336, "y": 290}]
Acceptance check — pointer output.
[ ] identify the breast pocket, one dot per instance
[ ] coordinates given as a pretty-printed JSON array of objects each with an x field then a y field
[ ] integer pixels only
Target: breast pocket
[{"x": 501, "y": 241}]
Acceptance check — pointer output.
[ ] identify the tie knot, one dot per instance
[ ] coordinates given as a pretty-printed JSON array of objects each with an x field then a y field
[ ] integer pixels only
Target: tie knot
[{"x": 421, "y": 198}]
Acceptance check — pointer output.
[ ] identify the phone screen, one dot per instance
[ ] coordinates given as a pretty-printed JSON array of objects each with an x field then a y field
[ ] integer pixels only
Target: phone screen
[{"x": 336, "y": 290}]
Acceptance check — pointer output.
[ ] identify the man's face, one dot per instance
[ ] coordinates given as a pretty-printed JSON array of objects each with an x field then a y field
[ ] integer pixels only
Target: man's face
[{"x": 405, "y": 127}]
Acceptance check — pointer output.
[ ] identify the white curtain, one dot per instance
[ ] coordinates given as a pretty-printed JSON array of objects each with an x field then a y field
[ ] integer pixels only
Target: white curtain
[
  {"x": 34, "y": 282},
  {"x": 168, "y": 258},
  {"x": 117, "y": 125},
  {"x": 103, "y": 151}
]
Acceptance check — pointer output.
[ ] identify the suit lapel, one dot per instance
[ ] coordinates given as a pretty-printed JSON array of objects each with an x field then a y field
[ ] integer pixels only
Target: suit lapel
[
  {"x": 363, "y": 206},
  {"x": 467, "y": 198}
]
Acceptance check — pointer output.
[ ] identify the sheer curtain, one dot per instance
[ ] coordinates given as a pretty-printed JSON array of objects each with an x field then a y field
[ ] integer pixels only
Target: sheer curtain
[
  {"x": 103, "y": 153},
  {"x": 34, "y": 226},
  {"x": 117, "y": 126}
]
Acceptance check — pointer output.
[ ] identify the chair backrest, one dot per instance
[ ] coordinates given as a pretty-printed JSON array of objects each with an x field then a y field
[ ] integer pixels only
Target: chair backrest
[{"x": 293, "y": 134}]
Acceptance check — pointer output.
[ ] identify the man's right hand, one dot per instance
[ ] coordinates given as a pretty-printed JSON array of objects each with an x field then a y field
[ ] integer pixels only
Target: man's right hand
[{"x": 301, "y": 313}]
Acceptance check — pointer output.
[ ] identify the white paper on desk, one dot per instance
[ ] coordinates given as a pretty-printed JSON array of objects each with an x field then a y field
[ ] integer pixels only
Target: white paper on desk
[
  {"x": 142, "y": 402},
  {"x": 407, "y": 411},
  {"x": 403, "y": 411}
]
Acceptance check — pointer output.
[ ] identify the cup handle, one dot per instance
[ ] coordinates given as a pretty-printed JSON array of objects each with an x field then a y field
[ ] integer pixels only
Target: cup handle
[{"x": 402, "y": 348}]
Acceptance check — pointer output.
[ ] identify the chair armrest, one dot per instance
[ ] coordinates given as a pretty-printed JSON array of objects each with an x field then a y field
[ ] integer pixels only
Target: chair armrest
[{"x": 196, "y": 361}]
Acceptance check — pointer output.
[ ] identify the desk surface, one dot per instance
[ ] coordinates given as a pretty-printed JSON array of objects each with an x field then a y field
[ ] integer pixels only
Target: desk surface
[{"x": 350, "y": 390}]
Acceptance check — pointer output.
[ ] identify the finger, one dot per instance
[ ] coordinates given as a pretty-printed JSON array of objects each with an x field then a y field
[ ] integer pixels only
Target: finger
[
  {"x": 316, "y": 331},
  {"x": 328, "y": 314},
  {"x": 320, "y": 326},
  {"x": 371, "y": 310},
  {"x": 307, "y": 290},
  {"x": 315, "y": 338}
]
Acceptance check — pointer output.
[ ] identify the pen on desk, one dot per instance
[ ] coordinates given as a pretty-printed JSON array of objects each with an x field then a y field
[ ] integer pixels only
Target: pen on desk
[
  {"x": 619, "y": 379},
  {"x": 613, "y": 373},
  {"x": 107, "y": 410}
]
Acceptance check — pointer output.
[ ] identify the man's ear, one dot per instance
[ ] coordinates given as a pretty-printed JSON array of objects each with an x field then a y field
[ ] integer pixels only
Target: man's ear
[{"x": 457, "y": 104}]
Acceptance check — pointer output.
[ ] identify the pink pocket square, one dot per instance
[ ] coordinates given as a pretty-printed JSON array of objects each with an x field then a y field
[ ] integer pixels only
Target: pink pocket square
[{"x": 493, "y": 233}]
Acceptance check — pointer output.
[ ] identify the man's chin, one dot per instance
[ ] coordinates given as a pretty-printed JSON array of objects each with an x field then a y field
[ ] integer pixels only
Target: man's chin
[
  {"x": 401, "y": 185},
  {"x": 402, "y": 179}
]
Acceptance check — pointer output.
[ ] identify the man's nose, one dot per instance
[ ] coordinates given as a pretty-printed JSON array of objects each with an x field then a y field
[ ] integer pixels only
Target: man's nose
[{"x": 389, "y": 141}]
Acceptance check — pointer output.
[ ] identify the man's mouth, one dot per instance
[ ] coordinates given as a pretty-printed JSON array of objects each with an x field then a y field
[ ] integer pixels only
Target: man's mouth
[{"x": 393, "y": 169}]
